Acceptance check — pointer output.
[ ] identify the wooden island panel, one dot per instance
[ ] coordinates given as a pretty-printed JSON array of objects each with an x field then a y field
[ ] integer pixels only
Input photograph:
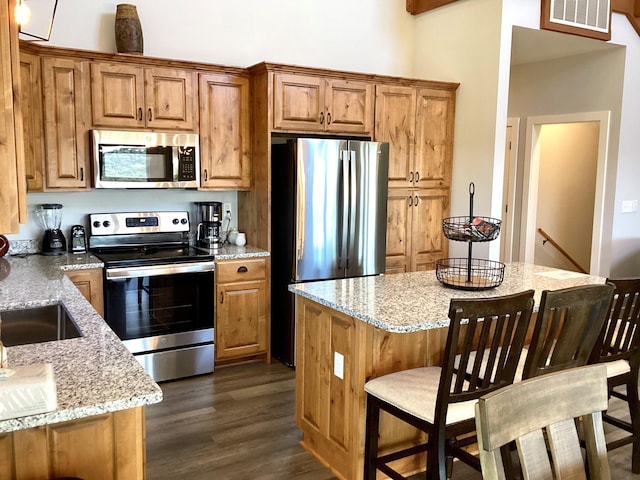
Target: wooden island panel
[{"x": 330, "y": 410}]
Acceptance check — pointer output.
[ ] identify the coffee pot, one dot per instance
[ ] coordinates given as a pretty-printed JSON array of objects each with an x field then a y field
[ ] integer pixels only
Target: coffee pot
[
  {"x": 50, "y": 217},
  {"x": 210, "y": 213}
]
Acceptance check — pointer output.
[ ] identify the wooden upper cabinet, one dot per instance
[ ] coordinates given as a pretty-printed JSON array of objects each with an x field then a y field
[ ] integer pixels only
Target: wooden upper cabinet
[
  {"x": 132, "y": 96},
  {"x": 31, "y": 94},
  {"x": 65, "y": 89},
  {"x": 224, "y": 131},
  {"x": 418, "y": 124},
  {"x": 395, "y": 122},
  {"x": 434, "y": 138},
  {"x": 315, "y": 104}
]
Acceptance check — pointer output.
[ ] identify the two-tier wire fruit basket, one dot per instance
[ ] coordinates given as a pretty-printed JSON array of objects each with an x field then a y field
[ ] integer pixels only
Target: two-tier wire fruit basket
[{"x": 470, "y": 273}]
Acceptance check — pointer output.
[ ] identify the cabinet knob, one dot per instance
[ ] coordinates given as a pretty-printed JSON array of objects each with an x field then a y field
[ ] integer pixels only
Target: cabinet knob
[
  {"x": 321, "y": 118},
  {"x": 242, "y": 269}
]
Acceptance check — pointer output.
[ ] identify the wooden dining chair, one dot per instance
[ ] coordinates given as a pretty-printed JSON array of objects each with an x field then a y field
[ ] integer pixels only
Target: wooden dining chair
[
  {"x": 618, "y": 347},
  {"x": 567, "y": 326},
  {"x": 488, "y": 335},
  {"x": 540, "y": 416}
]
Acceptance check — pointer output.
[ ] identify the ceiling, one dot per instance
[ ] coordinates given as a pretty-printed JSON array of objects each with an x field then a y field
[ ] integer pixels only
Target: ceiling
[{"x": 529, "y": 45}]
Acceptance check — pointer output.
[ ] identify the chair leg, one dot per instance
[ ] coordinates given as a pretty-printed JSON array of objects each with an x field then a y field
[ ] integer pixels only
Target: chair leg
[
  {"x": 371, "y": 438},
  {"x": 449, "y": 459},
  {"x": 436, "y": 460},
  {"x": 634, "y": 413}
]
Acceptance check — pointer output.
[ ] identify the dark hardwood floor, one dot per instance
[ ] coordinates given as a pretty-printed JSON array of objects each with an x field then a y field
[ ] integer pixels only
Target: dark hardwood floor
[{"x": 238, "y": 423}]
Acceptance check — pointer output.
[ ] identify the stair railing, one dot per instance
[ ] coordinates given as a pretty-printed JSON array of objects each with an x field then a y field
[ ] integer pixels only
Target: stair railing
[{"x": 547, "y": 238}]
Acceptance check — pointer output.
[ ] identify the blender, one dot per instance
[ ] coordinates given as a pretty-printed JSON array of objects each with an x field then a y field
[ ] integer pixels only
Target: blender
[
  {"x": 209, "y": 227},
  {"x": 50, "y": 216}
]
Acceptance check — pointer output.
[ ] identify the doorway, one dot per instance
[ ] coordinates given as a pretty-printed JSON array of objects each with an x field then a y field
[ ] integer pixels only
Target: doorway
[{"x": 563, "y": 190}]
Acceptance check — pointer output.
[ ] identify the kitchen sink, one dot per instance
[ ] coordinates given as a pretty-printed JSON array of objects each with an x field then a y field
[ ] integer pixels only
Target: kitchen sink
[{"x": 37, "y": 325}]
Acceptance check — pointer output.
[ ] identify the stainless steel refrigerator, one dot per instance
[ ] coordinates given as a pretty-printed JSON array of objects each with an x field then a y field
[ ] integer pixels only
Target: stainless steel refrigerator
[{"x": 329, "y": 218}]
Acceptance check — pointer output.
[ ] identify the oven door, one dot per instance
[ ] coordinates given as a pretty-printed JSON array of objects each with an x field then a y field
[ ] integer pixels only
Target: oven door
[{"x": 161, "y": 306}]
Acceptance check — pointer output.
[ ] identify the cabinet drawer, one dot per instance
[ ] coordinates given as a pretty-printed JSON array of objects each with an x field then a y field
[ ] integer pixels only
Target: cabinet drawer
[{"x": 240, "y": 270}]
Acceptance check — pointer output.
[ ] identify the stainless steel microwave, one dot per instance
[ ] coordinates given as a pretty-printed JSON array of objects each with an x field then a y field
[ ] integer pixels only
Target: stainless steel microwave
[{"x": 143, "y": 159}]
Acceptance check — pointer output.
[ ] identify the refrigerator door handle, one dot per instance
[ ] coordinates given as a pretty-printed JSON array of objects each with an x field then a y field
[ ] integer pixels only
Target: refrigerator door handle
[
  {"x": 344, "y": 157},
  {"x": 353, "y": 199}
]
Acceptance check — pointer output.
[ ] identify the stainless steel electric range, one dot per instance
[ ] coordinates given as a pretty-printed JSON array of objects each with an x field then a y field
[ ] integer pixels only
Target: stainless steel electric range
[{"x": 158, "y": 290}]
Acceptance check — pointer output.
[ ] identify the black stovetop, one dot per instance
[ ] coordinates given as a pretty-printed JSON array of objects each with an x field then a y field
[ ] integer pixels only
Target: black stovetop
[{"x": 150, "y": 255}]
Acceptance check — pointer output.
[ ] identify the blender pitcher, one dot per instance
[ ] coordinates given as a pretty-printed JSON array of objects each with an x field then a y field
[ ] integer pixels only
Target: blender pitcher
[{"x": 50, "y": 216}]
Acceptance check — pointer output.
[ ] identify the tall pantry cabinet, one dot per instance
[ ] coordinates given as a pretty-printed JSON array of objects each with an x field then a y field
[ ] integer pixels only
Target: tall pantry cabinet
[
  {"x": 417, "y": 121},
  {"x": 13, "y": 196}
]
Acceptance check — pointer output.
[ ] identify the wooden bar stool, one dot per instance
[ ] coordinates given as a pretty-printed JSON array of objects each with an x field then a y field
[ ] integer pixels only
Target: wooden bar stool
[
  {"x": 619, "y": 349},
  {"x": 486, "y": 335}
]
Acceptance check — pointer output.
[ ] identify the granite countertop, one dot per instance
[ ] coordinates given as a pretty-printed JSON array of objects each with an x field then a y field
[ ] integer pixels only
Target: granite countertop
[
  {"x": 409, "y": 302},
  {"x": 94, "y": 374}
]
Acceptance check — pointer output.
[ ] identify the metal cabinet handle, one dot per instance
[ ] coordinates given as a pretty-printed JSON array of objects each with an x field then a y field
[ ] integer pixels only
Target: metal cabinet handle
[
  {"x": 140, "y": 114},
  {"x": 150, "y": 115},
  {"x": 81, "y": 174},
  {"x": 321, "y": 118},
  {"x": 206, "y": 175},
  {"x": 416, "y": 200},
  {"x": 410, "y": 177},
  {"x": 221, "y": 297},
  {"x": 410, "y": 201},
  {"x": 243, "y": 269},
  {"x": 417, "y": 177},
  {"x": 329, "y": 118}
]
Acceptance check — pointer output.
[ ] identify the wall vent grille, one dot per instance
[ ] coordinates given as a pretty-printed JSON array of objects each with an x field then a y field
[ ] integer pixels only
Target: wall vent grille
[{"x": 592, "y": 14}]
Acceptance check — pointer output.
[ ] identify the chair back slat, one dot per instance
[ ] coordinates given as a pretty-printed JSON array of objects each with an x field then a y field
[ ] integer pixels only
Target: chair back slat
[
  {"x": 485, "y": 340},
  {"x": 568, "y": 324},
  {"x": 620, "y": 338}
]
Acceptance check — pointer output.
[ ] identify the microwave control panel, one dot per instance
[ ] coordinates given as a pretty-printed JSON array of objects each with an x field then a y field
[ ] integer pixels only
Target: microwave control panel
[{"x": 186, "y": 164}]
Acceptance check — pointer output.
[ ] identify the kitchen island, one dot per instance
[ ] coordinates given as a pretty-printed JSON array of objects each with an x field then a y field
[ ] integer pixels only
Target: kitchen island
[
  {"x": 101, "y": 387},
  {"x": 351, "y": 330}
]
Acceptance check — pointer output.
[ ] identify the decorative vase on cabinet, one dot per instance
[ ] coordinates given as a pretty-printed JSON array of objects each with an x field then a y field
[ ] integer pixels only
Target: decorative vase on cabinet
[{"x": 128, "y": 30}]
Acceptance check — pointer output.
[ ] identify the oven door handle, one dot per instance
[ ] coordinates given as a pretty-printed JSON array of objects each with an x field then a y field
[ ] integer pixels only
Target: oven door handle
[{"x": 156, "y": 270}]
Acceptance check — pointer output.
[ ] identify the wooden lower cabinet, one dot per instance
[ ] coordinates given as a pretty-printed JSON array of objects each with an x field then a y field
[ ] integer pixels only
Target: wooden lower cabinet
[
  {"x": 242, "y": 320},
  {"x": 414, "y": 229},
  {"x": 102, "y": 447},
  {"x": 330, "y": 399},
  {"x": 89, "y": 282}
]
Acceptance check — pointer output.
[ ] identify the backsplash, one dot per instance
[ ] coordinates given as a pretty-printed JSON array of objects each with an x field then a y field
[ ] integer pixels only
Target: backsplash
[{"x": 24, "y": 247}]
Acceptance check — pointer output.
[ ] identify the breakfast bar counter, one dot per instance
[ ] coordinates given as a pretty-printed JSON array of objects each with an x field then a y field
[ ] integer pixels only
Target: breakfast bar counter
[{"x": 351, "y": 330}]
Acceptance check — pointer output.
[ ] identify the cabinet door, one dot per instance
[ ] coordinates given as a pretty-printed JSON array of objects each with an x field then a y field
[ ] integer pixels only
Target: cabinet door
[
  {"x": 117, "y": 95},
  {"x": 349, "y": 107},
  {"x": 298, "y": 103},
  {"x": 428, "y": 243},
  {"x": 170, "y": 98},
  {"x": 434, "y": 138},
  {"x": 89, "y": 282},
  {"x": 65, "y": 125},
  {"x": 31, "y": 95},
  {"x": 398, "y": 255},
  {"x": 395, "y": 123},
  {"x": 12, "y": 185},
  {"x": 224, "y": 131},
  {"x": 241, "y": 326}
]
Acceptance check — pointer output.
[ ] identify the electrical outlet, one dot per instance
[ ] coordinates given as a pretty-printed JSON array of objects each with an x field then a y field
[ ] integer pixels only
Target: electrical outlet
[{"x": 226, "y": 211}]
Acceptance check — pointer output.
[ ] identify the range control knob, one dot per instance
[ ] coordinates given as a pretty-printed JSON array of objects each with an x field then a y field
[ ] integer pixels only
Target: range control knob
[
  {"x": 106, "y": 224},
  {"x": 183, "y": 221},
  {"x": 175, "y": 221},
  {"x": 96, "y": 224}
]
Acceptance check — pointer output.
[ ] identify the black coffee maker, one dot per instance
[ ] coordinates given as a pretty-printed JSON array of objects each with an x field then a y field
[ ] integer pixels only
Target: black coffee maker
[
  {"x": 210, "y": 213},
  {"x": 53, "y": 241}
]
